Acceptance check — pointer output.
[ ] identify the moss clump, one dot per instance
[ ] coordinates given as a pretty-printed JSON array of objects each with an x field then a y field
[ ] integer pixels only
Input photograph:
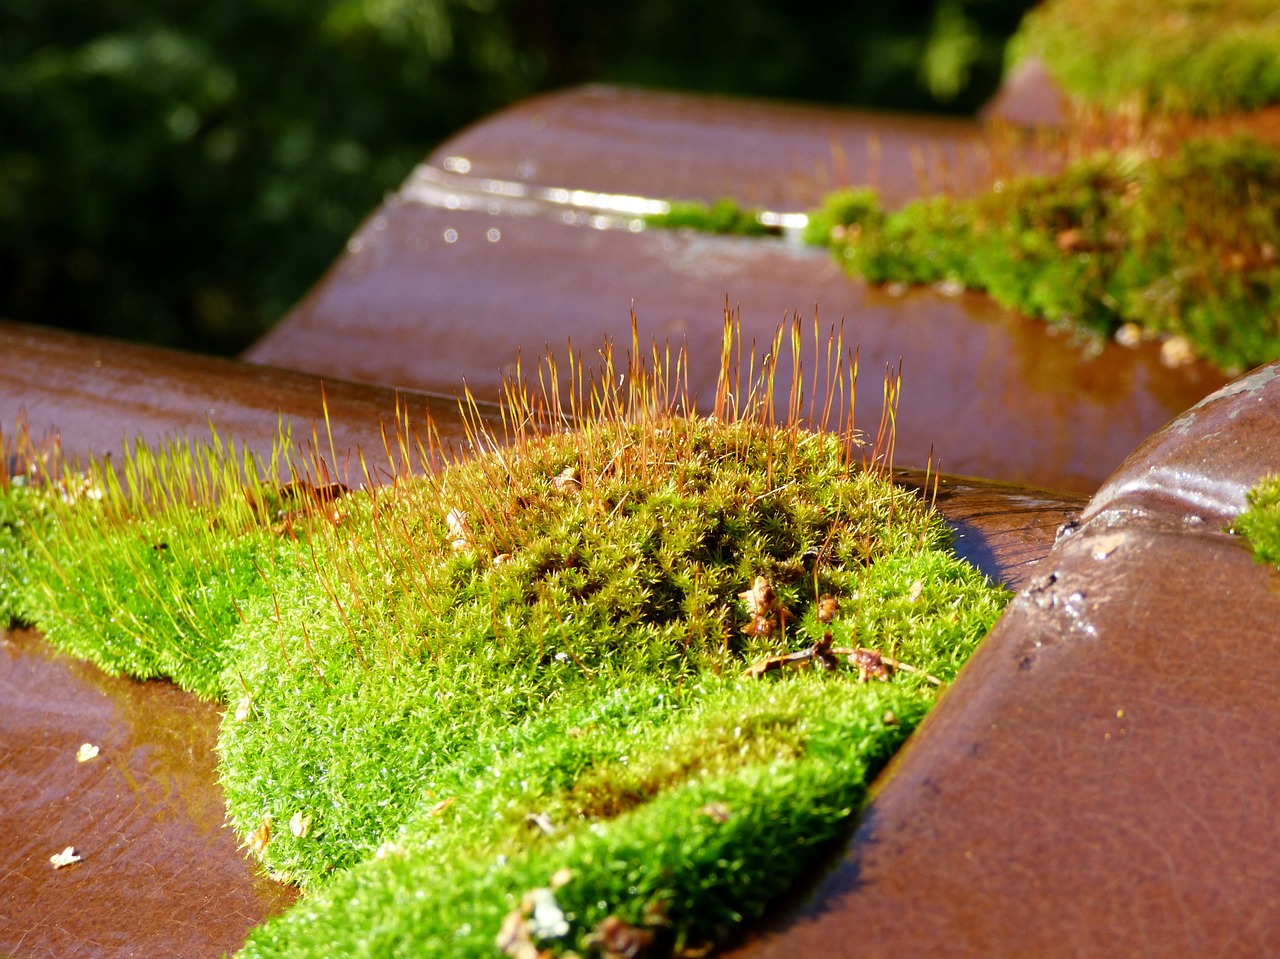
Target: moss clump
[
  {"x": 1198, "y": 56},
  {"x": 843, "y": 216},
  {"x": 1260, "y": 523},
  {"x": 507, "y": 705},
  {"x": 1182, "y": 245},
  {"x": 724, "y": 216},
  {"x": 26, "y": 497},
  {"x": 696, "y": 848},
  {"x": 20, "y": 508},
  {"x": 145, "y": 572}
]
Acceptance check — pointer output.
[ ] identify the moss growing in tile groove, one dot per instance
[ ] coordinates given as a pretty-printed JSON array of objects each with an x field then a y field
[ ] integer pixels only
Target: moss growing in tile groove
[
  {"x": 143, "y": 571},
  {"x": 724, "y": 216},
  {"x": 1260, "y": 523},
  {"x": 30, "y": 470},
  {"x": 1173, "y": 242},
  {"x": 1182, "y": 245},
  {"x": 507, "y": 702}
]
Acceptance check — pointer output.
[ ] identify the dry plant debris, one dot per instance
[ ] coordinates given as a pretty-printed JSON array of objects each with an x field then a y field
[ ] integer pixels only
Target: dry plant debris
[
  {"x": 65, "y": 858},
  {"x": 869, "y": 663}
]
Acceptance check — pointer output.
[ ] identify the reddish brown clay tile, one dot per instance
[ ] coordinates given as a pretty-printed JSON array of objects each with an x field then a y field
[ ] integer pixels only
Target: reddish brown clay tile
[
  {"x": 95, "y": 393},
  {"x": 1199, "y": 466},
  {"x": 1003, "y": 530},
  {"x": 1029, "y": 96},
  {"x": 158, "y": 873},
  {"x": 1098, "y": 780},
  {"x": 781, "y": 156},
  {"x": 428, "y": 297}
]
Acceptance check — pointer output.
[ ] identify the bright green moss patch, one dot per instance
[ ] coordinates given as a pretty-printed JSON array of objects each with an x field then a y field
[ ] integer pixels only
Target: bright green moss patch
[
  {"x": 146, "y": 574},
  {"x": 1181, "y": 245},
  {"x": 19, "y": 510},
  {"x": 1199, "y": 56},
  {"x": 723, "y": 216},
  {"x": 26, "y": 509},
  {"x": 1260, "y": 523},
  {"x": 684, "y": 865},
  {"x": 510, "y": 706}
]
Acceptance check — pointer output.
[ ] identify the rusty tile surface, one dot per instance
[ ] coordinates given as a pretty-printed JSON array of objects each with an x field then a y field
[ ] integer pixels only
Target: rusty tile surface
[
  {"x": 1200, "y": 466},
  {"x": 1001, "y": 529},
  {"x": 781, "y": 156},
  {"x": 1099, "y": 780},
  {"x": 96, "y": 393},
  {"x": 159, "y": 874},
  {"x": 428, "y": 297}
]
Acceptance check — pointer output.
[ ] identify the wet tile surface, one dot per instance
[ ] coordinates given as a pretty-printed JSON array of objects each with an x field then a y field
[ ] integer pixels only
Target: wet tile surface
[
  {"x": 1099, "y": 780},
  {"x": 159, "y": 875},
  {"x": 1003, "y": 530},
  {"x": 781, "y": 156},
  {"x": 95, "y": 393},
  {"x": 430, "y": 298},
  {"x": 1199, "y": 467}
]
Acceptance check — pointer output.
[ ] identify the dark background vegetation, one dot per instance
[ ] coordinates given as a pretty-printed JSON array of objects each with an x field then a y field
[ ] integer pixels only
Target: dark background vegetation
[{"x": 181, "y": 171}]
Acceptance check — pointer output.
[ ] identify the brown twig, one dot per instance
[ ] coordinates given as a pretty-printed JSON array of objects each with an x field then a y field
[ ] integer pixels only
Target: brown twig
[{"x": 870, "y": 663}]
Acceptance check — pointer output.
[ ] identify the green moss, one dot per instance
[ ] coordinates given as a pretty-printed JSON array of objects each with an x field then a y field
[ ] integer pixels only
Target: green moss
[
  {"x": 1181, "y": 245},
  {"x": 724, "y": 216},
  {"x": 1260, "y": 523},
  {"x": 20, "y": 509},
  {"x": 1201, "y": 56},
  {"x": 687, "y": 864},
  {"x": 635, "y": 575},
  {"x": 842, "y": 213},
  {"x": 27, "y": 513},
  {"x": 525, "y": 677},
  {"x": 146, "y": 574}
]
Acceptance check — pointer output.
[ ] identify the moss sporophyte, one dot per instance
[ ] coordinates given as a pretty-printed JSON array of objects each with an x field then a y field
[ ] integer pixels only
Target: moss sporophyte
[{"x": 607, "y": 685}]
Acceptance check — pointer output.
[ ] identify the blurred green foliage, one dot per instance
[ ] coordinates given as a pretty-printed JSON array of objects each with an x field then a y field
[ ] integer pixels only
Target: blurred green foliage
[
  {"x": 181, "y": 172},
  {"x": 724, "y": 216},
  {"x": 1202, "y": 56}
]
